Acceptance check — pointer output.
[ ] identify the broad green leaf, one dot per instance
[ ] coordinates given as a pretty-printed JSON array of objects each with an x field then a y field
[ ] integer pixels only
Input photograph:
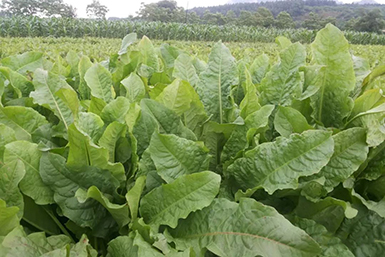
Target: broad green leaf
[
  {"x": 70, "y": 98},
  {"x": 126, "y": 42},
  {"x": 374, "y": 165},
  {"x": 1, "y": 88},
  {"x": 176, "y": 96},
  {"x": 331, "y": 104},
  {"x": 282, "y": 82},
  {"x": 8, "y": 218},
  {"x": 225, "y": 229},
  {"x": 350, "y": 151},
  {"x": 372, "y": 76},
  {"x": 288, "y": 120},
  {"x": 331, "y": 246},
  {"x": 313, "y": 80},
  {"x": 46, "y": 87},
  {"x": 32, "y": 184},
  {"x": 132, "y": 115},
  {"x": 10, "y": 176},
  {"x": 23, "y": 120},
  {"x": 65, "y": 182},
  {"x": 169, "y": 54},
  {"x": 159, "y": 78},
  {"x": 99, "y": 81},
  {"x": 7, "y": 135},
  {"x": 20, "y": 83},
  {"x": 91, "y": 124},
  {"x": 84, "y": 64},
  {"x": 214, "y": 136},
  {"x": 361, "y": 70},
  {"x": 40, "y": 217},
  {"x": 250, "y": 102},
  {"x": 156, "y": 117},
  {"x": 144, "y": 248},
  {"x": 369, "y": 112},
  {"x": 132, "y": 245},
  {"x": 23, "y": 63},
  {"x": 148, "y": 55},
  {"x": 216, "y": 82},
  {"x": 196, "y": 115},
  {"x": 329, "y": 212},
  {"x": 110, "y": 138},
  {"x": 116, "y": 110},
  {"x": 174, "y": 156},
  {"x": 118, "y": 212},
  {"x": 282, "y": 42},
  {"x": 368, "y": 100},
  {"x": 135, "y": 89},
  {"x": 168, "y": 203},
  {"x": 278, "y": 165},
  {"x": 17, "y": 243},
  {"x": 364, "y": 234},
  {"x": 167, "y": 120},
  {"x": 96, "y": 105},
  {"x": 133, "y": 196},
  {"x": 123, "y": 246},
  {"x": 59, "y": 68},
  {"x": 259, "y": 68},
  {"x": 83, "y": 152},
  {"x": 377, "y": 207},
  {"x": 239, "y": 139},
  {"x": 185, "y": 70}
]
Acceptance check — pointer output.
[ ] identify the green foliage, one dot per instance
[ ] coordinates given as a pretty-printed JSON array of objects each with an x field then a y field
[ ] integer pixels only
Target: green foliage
[
  {"x": 156, "y": 152},
  {"x": 371, "y": 21},
  {"x": 250, "y": 28},
  {"x": 47, "y": 8},
  {"x": 97, "y": 10}
]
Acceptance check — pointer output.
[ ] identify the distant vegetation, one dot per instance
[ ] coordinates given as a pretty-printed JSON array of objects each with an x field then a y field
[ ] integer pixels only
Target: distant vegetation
[
  {"x": 307, "y": 14},
  {"x": 310, "y": 14},
  {"x": 20, "y": 26}
]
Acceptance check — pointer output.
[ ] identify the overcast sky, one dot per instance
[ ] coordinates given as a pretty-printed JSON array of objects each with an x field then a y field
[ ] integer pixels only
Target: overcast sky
[{"x": 123, "y": 8}]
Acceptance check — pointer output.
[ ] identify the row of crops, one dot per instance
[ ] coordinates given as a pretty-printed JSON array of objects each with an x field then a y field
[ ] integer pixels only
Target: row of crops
[
  {"x": 58, "y": 27},
  {"x": 155, "y": 152},
  {"x": 102, "y": 48}
]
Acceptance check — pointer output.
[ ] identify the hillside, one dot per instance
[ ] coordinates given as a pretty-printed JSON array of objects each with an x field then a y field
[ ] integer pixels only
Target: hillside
[{"x": 298, "y": 9}]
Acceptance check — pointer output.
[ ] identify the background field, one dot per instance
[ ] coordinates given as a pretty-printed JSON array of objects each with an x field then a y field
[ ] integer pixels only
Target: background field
[{"x": 101, "y": 48}]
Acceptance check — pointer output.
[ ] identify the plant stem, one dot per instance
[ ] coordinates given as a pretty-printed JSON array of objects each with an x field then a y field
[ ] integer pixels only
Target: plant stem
[{"x": 58, "y": 223}]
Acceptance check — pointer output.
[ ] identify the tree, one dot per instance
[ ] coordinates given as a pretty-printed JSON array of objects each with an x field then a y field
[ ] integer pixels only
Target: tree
[
  {"x": 214, "y": 18},
  {"x": 312, "y": 21},
  {"x": 45, "y": 8},
  {"x": 50, "y": 8},
  {"x": 264, "y": 17},
  {"x": 192, "y": 17},
  {"x": 284, "y": 21},
  {"x": 371, "y": 21},
  {"x": 246, "y": 19},
  {"x": 20, "y": 7},
  {"x": 96, "y": 10},
  {"x": 165, "y": 11},
  {"x": 231, "y": 18}
]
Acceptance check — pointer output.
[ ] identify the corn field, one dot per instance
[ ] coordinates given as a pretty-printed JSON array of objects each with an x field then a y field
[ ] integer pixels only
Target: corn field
[{"x": 77, "y": 28}]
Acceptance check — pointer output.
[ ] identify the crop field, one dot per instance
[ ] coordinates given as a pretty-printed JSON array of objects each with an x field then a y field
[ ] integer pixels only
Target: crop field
[
  {"x": 25, "y": 26},
  {"x": 140, "y": 147},
  {"x": 102, "y": 48}
]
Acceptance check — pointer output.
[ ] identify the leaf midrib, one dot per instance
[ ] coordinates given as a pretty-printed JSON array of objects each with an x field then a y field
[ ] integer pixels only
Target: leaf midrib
[
  {"x": 291, "y": 160},
  {"x": 54, "y": 100},
  {"x": 155, "y": 217}
]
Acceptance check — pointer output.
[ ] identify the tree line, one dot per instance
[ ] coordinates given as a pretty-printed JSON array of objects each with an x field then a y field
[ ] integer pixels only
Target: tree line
[
  {"x": 49, "y": 8},
  {"x": 310, "y": 14}
]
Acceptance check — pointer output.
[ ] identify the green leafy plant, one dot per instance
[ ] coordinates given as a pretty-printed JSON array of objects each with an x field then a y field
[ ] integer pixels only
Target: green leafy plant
[{"x": 154, "y": 152}]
